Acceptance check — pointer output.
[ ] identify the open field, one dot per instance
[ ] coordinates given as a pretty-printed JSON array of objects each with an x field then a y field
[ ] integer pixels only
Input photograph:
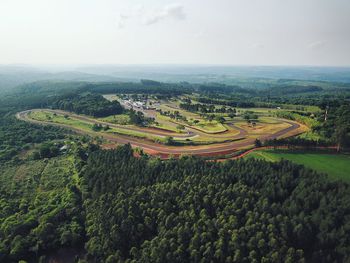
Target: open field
[
  {"x": 46, "y": 116},
  {"x": 122, "y": 119},
  {"x": 87, "y": 126},
  {"x": 337, "y": 166},
  {"x": 202, "y": 125}
]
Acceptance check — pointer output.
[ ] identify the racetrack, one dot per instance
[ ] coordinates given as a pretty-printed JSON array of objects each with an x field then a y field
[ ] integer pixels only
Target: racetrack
[{"x": 238, "y": 141}]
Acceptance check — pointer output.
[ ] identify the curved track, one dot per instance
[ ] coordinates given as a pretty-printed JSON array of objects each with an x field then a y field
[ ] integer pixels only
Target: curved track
[{"x": 164, "y": 150}]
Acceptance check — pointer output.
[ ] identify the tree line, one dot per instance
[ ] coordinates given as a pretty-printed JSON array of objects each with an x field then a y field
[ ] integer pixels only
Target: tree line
[{"x": 90, "y": 104}]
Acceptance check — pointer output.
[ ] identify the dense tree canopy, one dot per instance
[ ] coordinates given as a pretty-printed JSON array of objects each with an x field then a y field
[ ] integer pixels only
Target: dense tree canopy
[
  {"x": 189, "y": 210},
  {"x": 16, "y": 136},
  {"x": 89, "y": 104}
]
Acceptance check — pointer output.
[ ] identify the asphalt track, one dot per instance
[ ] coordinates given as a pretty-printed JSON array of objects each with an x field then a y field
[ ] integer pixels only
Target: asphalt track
[{"x": 165, "y": 151}]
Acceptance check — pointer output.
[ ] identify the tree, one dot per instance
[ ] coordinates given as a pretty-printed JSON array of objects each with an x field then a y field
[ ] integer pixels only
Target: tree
[
  {"x": 211, "y": 117},
  {"x": 169, "y": 140},
  {"x": 340, "y": 136},
  {"x": 232, "y": 115},
  {"x": 257, "y": 143},
  {"x": 96, "y": 127},
  {"x": 220, "y": 119},
  {"x": 180, "y": 127}
]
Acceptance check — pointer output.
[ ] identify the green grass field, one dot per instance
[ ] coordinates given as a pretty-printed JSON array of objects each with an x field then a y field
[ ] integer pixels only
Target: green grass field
[
  {"x": 121, "y": 119},
  {"x": 59, "y": 119},
  {"x": 337, "y": 166},
  {"x": 310, "y": 135},
  {"x": 82, "y": 125},
  {"x": 203, "y": 125},
  {"x": 210, "y": 127}
]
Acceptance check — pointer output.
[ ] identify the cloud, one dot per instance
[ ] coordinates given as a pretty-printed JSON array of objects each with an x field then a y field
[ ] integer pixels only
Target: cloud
[
  {"x": 317, "y": 45},
  {"x": 146, "y": 17},
  {"x": 120, "y": 24},
  {"x": 199, "y": 34},
  {"x": 257, "y": 45},
  {"x": 121, "y": 21},
  {"x": 138, "y": 10},
  {"x": 173, "y": 11}
]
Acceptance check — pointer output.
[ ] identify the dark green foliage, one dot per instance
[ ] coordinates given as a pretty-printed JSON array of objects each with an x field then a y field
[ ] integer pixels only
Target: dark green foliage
[
  {"x": 148, "y": 82},
  {"x": 249, "y": 115},
  {"x": 136, "y": 117},
  {"x": 233, "y": 102},
  {"x": 220, "y": 119},
  {"x": 15, "y": 135},
  {"x": 296, "y": 141},
  {"x": 139, "y": 119},
  {"x": 169, "y": 140},
  {"x": 90, "y": 104},
  {"x": 337, "y": 125},
  {"x": 293, "y": 89},
  {"x": 146, "y": 87},
  {"x": 203, "y": 108},
  {"x": 257, "y": 143},
  {"x": 189, "y": 210},
  {"x": 225, "y": 89},
  {"x": 97, "y": 127},
  {"x": 48, "y": 150}
]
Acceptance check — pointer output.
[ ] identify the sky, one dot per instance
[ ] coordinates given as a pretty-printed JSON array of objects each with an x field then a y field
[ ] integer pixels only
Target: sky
[{"x": 225, "y": 32}]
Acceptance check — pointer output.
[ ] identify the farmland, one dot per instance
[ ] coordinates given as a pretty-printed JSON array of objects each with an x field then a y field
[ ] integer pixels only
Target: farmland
[{"x": 337, "y": 166}]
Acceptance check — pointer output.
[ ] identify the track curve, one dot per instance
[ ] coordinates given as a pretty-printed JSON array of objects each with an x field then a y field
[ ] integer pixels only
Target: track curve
[{"x": 163, "y": 150}]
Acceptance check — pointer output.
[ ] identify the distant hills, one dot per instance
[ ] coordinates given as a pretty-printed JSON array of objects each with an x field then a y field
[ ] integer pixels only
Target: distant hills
[{"x": 244, "y": 76}]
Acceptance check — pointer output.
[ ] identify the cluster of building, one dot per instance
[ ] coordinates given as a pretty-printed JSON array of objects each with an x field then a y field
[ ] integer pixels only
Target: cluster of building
[{"x": 138, "y": 104}]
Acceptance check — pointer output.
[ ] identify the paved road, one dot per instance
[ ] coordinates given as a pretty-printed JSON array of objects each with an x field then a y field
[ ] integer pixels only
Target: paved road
[{"x": 164, "y": 150}]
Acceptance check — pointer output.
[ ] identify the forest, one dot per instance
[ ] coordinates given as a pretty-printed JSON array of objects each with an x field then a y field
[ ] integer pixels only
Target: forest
[
  {"x": 90, "y": 104},
  {"x": 185, "y": 210},
  {"x": 189, "y": 210}
]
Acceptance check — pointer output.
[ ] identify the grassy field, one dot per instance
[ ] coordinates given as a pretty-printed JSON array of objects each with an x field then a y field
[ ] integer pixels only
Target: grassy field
[
  {"x": 60, "y": 119},
  {"x": 122, "y": 119},
  {"x": 210, "y": 127},
  {"x": 164, "y": 123},
  {"x": 310, "y": 135},
  {"x": 203, "y": 125},
  {"x": 337, "y": 166},
  {"x": 137, "y": 134}
]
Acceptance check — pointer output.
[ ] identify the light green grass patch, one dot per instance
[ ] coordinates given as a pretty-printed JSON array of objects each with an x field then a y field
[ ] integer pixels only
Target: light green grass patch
[
  {"x": 60, "y": 119},
  {"x": 137, "y": 134},
  {"x": 310, "y": 135},
  {"x": 337, "y": 166},
  {"x": 210, "y": 127},
  {"x": 122, "y": 119}
]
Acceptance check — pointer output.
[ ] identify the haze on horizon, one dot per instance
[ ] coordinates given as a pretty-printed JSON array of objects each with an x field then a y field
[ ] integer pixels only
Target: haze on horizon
[{"x": 235, "y": 32}]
